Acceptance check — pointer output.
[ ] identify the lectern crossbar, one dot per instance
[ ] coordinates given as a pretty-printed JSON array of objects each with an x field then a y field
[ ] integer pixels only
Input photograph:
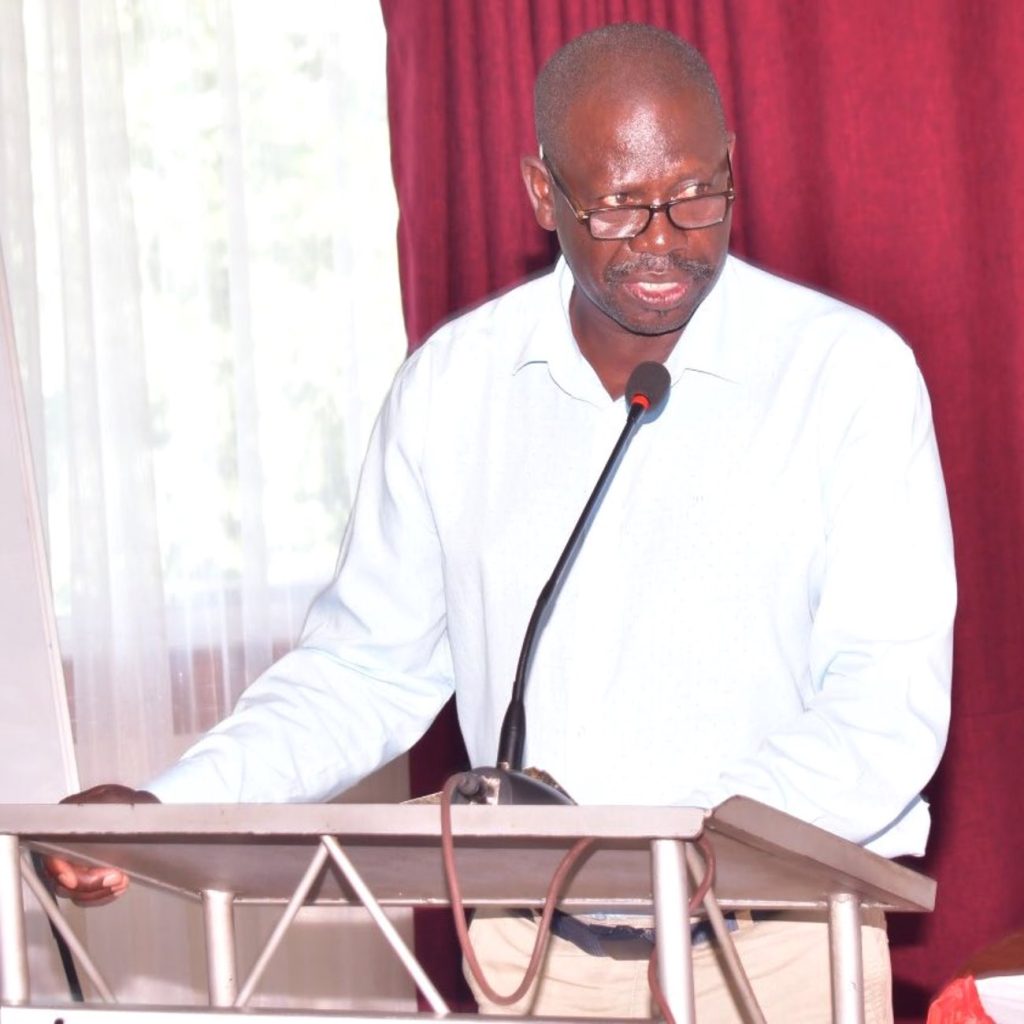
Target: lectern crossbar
[
  {"x": 387, "y": 929},
  {"x": 67, "y": 933},
  {"x": 277, "y": 935}
]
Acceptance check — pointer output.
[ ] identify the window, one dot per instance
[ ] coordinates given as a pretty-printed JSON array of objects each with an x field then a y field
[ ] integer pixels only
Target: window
[{"x": 199, "y": 226}]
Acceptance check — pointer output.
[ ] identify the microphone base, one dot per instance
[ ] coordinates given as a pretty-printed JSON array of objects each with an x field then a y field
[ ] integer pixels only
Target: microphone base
[{"x": 508, "y": 786}]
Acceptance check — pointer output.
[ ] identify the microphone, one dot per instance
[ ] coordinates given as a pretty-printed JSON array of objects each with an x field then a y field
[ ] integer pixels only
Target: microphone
[
  {"x": 646, "y": 391},
  {"x": 648, "y": 387}
]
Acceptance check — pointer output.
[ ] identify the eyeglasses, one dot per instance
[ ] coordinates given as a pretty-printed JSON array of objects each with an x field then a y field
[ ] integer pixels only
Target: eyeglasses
[{"x": 617, "y": 223}]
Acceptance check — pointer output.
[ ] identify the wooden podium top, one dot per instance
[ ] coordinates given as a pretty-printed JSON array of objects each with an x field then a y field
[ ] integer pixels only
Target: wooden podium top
[{"x": 505, "y": 854}]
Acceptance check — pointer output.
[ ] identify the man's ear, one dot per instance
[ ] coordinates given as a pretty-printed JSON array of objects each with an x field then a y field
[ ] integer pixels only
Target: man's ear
[{"x": 540, "y": 190}]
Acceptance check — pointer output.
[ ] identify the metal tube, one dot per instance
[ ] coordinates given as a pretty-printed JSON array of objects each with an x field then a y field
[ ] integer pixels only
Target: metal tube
[
  {"x": 844, "y": 943},
  {"x": 272, "y": 944},
  {"x": 672, "y": 925},
  {"x": 59, "y": 921},
  {"x": 219, "y": 926},
  {"x": 388, "y": 930},
  {"x": 14, "y": 984},
  {"x": 726, "y": 946}
]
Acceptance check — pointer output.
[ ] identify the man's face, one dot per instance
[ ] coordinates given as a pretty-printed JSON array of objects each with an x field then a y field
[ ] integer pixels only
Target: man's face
[{"x": 650, "y": 149}]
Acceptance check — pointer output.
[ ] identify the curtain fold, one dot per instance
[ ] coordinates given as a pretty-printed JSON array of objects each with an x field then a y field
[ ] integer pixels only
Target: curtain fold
[{"x": 878, "y": 150}]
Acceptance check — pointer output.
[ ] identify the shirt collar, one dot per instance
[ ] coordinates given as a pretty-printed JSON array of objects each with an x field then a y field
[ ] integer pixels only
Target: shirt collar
[
  {"x": 550, "y": 341},
  {"x": 551, "y": 333},
  {"x": 709, "y": 343}
]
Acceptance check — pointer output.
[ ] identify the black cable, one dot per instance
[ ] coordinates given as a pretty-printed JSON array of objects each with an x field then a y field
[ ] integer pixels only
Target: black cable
[{"x": 66, "y": 959}]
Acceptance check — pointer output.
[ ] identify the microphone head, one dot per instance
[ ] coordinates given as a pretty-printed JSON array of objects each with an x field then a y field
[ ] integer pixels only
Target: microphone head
[{"x": 648, "y": 386}]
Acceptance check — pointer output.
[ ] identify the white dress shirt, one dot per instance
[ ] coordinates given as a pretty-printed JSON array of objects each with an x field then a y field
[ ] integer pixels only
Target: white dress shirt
[{"x": 763, "y": 605}]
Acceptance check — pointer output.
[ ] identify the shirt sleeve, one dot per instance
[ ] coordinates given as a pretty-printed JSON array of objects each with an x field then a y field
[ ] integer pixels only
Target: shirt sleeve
[
  {"x": 871, "y": 735},
  {"x": 372, "y": 668}
]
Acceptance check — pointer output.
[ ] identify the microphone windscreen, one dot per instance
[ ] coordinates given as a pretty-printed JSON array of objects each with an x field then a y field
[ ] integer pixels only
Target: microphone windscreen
[{"x": 648, "y": 384}]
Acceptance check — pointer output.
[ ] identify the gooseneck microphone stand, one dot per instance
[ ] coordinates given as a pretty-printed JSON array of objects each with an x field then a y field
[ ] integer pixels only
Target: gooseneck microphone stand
[{"x": 507, "y": 783}]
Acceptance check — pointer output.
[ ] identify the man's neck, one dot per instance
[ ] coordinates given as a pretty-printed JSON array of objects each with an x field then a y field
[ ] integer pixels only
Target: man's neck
[{"x": 613, "y": 351}]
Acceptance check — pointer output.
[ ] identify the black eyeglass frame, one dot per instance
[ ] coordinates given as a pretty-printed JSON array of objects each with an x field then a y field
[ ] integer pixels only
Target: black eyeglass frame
[{"x": 583, "y": 215}]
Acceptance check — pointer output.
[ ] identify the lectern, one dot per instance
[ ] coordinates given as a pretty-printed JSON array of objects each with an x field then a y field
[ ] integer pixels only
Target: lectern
[{"x": 389, "y": 855}]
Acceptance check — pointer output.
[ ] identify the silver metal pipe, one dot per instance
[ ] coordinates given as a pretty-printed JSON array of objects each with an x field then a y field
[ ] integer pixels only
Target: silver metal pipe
[
  {"x": 14, "y": 983},
  {"x": 672, "y": 925},
  {"x": 60, "y": 922},
  {"x": 844, "y": 942},
  {"x": 272, "y": 944},
  {"x": 726, "y": 946},
  {"x": 221, "y": 962},
  {"x": 388, "y": 930}
]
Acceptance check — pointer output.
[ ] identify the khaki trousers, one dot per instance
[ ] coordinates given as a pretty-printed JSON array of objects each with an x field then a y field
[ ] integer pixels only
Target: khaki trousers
[{"x": 785, "y": 957}]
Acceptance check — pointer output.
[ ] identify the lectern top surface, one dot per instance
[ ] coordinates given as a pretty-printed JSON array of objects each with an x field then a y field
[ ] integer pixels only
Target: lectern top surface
[
  {"x": 379, "y": 820},
  {"x": 505, "y": 855}
]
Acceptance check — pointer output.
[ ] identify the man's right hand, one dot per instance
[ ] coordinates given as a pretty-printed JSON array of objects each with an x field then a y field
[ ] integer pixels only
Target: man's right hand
[{"x": 86, "y": 884}]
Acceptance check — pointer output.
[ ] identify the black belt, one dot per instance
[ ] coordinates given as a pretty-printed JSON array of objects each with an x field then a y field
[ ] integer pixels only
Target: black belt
[{"x": 624, "y": 942}]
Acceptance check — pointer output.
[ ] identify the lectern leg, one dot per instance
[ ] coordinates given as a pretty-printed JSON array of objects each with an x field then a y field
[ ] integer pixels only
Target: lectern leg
[
  {"x": 672, "y": 923},
  {"x": 14, "y": 989},
  {"x": 847, "y": 961},
  {"x": 221, "y": 967}
]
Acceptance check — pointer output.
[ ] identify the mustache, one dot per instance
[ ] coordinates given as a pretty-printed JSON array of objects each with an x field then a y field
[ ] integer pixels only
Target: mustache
[{"x": 648, "y": 263}]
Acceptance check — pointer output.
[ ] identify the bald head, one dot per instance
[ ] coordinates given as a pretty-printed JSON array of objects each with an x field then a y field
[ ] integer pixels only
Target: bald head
[{"x": 623, "y": 61}]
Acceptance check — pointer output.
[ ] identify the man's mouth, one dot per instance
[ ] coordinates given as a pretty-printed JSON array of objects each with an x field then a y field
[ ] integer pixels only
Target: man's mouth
[
  {"x": 662, "y": 294},
  {"x": 658, "y": 283}
]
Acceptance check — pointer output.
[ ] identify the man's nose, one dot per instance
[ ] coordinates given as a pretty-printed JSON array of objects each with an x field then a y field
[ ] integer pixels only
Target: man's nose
[{"x": 660, "y": 235}]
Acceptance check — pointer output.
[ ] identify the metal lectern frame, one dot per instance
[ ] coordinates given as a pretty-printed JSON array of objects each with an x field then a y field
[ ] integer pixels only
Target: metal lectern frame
[{"x": 384, "y": 856}]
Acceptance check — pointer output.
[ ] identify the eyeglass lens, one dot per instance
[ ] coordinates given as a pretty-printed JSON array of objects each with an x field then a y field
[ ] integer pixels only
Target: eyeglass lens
[{"x": 689, "y": 214}]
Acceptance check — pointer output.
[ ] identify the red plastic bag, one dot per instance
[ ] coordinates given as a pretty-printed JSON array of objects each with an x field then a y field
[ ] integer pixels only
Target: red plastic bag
[{"x": 958, "y": 1003}]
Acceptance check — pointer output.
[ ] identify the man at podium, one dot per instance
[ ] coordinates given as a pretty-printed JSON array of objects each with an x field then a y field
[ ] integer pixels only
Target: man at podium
[{"x": 763, "y": 603}]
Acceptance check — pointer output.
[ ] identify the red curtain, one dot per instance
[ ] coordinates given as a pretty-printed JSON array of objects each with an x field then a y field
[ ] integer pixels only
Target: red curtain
[{"x": 880, "y": 157}]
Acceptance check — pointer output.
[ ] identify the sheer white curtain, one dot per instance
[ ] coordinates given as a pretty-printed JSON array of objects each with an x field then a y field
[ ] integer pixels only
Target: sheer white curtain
[
  {"x": 199, "y": 228},
  {"x": 198, "y": 221}
]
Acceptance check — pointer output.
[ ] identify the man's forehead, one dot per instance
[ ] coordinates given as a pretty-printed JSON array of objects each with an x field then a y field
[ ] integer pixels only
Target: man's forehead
[
  {"x": 640, "y": 133},
  {"x": 637, "y": 128}
]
